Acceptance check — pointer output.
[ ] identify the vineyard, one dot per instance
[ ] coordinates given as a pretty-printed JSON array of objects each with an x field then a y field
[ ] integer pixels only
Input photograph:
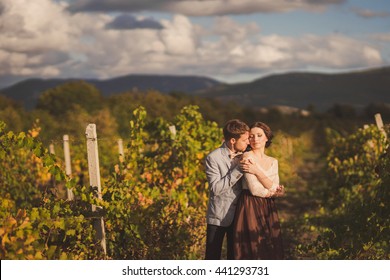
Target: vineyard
[{"x": 153, "y": 197}]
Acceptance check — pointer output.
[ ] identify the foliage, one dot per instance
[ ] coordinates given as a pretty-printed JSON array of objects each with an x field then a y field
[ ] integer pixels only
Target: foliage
[
  {"x": 35, "y": 224},
  {"x": 11, "y": 113},
  {"x": 354, "y": 222},
  {"x": 155, "y": 195},
  {"x": 154, "y": 201},
  {"x": 159, "y": 189},
  {"x": 60, "y": 100}
]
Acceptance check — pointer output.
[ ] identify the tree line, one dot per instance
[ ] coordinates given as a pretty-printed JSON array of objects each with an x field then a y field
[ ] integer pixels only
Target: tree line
[{"x": 66, "y": 109}]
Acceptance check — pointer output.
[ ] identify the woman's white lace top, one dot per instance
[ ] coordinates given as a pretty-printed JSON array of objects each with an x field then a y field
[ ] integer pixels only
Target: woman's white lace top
[{"x": 252, "y": 183}]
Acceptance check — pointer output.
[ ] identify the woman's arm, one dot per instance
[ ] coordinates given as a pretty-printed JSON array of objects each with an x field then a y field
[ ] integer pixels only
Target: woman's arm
[
  {"x": 270, "y": 181},
  {"x": 255, "y": 187},
  {"x": 259, "y": 184}
]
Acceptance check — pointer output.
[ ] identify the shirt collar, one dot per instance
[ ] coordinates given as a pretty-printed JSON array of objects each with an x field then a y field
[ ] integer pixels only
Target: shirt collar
[{"x": 234, "y": 154}]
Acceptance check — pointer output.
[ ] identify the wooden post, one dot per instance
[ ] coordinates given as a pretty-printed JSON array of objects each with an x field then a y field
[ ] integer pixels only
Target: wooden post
[
  {"x": 68, "y": 167},
  {"x": 172, "y": 129},
  {"x": 120, "y": 147},
  {"x": 51, "y": 149},
  {"x": 52, "y": 179},
  {"x": 121, "y": 153},
  {"x": 379, "y": 124},
  {"x": 94, "y": 179}
]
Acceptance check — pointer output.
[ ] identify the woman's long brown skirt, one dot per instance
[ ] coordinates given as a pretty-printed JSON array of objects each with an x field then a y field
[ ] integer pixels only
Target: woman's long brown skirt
[{"x": 257, "y": 232}]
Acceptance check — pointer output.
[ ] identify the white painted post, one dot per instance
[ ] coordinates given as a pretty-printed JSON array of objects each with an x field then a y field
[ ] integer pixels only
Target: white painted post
[
  {"x": 52, "y": 152},
  {"x": 120, "y": 147},
  {"x": 94, "y": 179},
  {"x": 379, "y": 124},
  {"x": 51, "y": 149},
  {"x": 172, "y": 129},
  {"x": 68, "y": 167}
]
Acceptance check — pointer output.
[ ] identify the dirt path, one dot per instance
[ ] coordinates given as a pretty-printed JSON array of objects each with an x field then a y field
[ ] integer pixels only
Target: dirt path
[{"x": 301, "y": 197}]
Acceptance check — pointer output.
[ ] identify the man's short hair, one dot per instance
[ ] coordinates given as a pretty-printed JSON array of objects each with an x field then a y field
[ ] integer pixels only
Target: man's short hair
[{"x": 234, "y": 129}]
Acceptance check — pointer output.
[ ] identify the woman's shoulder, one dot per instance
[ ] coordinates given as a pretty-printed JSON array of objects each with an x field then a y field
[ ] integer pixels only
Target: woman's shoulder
[
  {"x": 272, "y": 160},
  {"x": 248, "y": 154}
]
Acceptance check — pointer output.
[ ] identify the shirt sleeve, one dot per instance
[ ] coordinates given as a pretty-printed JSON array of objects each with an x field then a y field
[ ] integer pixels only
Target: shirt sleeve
[{"x": 220, "y": 183}]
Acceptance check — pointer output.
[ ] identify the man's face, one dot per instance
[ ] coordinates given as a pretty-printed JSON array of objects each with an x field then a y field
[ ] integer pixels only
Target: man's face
[{"x": 241, "y": 143}]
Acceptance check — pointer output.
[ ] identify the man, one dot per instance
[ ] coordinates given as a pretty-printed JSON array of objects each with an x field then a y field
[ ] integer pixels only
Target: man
[{"x": 223, "y": 174}]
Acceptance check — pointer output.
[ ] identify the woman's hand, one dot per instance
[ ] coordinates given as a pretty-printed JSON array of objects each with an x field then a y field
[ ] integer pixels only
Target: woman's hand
[{"x": 279, "y": 191}]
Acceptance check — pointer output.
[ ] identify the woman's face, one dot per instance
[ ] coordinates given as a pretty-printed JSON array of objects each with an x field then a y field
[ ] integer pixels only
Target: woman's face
[{"x": 257, "y": 138}]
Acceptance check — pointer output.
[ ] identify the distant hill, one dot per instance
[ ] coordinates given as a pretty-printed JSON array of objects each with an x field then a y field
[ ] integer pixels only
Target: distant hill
[
  {"x": 300, "y": 90},
  {"x": 28, "y": 91}
]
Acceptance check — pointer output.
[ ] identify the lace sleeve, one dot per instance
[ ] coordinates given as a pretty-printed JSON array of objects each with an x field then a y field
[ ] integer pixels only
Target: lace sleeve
[
  {"x": 256, "y": 187},
  {"x": 274, "y": 176}
]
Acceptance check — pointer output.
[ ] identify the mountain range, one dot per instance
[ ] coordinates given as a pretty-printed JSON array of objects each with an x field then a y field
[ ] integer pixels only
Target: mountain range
[
  {"x": 28, "y": 91},
  {"x": 295, "y": 89},
  {"x": 300, "y": 90}
]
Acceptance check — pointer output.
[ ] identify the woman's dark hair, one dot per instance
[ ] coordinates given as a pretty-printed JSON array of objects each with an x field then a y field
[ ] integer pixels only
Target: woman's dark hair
[{"x": 267, "y": 131}]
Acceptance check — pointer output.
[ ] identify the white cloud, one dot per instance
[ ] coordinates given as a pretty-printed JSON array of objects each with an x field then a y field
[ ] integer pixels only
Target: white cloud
[
  {"x": 41, "y": 38},
  {"x": 277, "y": 53},
  {"x": 30, "y": 30},
  {"x": 335, "y": 51},
  {"x": 232, "y": 31},
  {"x": 178, "y": 36},
  {"x": 34, "y": 26},
  {"x": 382, "y": 37}
]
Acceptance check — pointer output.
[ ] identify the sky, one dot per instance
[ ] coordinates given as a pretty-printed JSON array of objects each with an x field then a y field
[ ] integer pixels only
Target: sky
[{"x": 228, "y": 40}]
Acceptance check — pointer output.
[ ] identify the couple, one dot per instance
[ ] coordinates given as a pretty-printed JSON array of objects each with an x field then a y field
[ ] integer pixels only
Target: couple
[{"x": 242, "y": 187}]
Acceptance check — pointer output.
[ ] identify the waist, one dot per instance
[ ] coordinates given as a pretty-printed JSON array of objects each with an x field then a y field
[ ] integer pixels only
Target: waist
[{"x": 247, "y": 192}]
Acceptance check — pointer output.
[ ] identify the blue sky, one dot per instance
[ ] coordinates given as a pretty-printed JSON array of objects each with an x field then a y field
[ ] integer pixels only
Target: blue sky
[{"x": 229, "y": 40}]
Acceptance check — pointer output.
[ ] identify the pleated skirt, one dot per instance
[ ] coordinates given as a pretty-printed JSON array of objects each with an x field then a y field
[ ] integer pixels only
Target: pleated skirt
[{"x": 257, "y": 231}]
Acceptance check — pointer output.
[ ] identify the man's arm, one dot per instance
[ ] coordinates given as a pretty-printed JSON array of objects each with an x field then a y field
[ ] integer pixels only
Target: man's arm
[{"x": 221, "y": 183}]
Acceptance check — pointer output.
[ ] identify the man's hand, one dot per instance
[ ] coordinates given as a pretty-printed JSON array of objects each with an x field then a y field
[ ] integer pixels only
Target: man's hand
[{"x": 248, "y": 166}]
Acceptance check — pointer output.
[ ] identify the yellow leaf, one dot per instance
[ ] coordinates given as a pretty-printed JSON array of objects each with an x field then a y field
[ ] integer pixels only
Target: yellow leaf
[
  {"x": 4, "y": 240},
  {"x": 63, "y": 256},
  {"x": 29, "y": 240},
  {"x": 11, "y": 221},
  {"x": 38, "y": 256},
  {"x": 25, "y": 223}
]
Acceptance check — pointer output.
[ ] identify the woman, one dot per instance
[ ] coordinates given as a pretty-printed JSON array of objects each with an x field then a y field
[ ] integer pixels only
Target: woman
[{"x": 257, "y": 232}]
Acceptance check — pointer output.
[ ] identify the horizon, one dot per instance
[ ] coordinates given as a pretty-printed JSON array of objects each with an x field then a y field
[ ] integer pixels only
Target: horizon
[
  {"x": 218, "y": 39},
  {"x": 200, "y": 76}
]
